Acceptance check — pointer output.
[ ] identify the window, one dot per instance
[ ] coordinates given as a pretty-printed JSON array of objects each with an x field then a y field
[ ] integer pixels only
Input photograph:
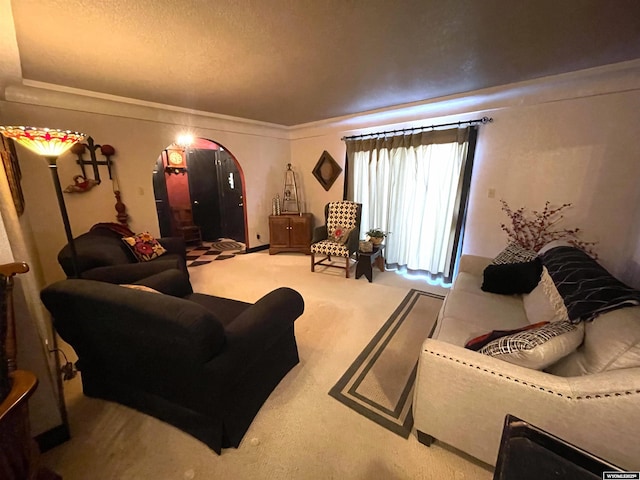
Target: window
[{"x": 414, "y": 186}]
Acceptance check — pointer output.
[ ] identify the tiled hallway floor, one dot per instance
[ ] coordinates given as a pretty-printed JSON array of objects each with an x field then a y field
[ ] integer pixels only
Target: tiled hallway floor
[{"x": 221, "y": 249}]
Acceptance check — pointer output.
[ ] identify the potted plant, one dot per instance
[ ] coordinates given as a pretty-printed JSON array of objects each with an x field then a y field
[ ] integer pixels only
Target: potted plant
[{"x": 376, "y": 236}]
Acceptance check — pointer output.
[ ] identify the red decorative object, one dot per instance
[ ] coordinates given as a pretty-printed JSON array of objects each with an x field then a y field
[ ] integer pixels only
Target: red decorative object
[
  {"x": 78, "y": 148},
  {"x": 81, "y": 185},
  {"x": 121, "y": 208},
  {"x": 107, "y": 150},
  {"x": 533, "y": 230}
]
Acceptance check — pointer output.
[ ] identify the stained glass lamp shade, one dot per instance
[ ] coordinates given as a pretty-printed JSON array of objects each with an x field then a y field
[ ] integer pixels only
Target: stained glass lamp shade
[{"x": 48, "y": 142}]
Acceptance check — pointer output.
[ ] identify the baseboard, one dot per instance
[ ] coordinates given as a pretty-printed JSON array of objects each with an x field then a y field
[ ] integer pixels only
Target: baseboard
[
  {"x": 52, "y": 438},
  {"x": 258, "y": 249}
]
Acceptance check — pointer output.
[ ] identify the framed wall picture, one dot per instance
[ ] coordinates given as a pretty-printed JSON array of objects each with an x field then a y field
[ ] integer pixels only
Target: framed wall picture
[
  {"x": 12, "y": 168},
  {"x": 326, "y": 170}
]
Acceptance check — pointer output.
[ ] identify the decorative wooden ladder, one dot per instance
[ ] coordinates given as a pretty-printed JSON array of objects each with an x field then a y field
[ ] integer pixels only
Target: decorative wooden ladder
[{"x": 290, "y": 200}]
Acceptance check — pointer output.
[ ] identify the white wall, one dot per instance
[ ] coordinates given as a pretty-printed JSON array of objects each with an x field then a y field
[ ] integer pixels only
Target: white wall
[
  {"x": 139, "y": 134},
  {"x": 570, "y": 138},
  {"x": 33, "y": 328}
]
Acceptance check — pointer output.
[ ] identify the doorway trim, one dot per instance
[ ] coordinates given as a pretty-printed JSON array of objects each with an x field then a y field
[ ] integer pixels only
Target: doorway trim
[{"x": 163, "y": 198}]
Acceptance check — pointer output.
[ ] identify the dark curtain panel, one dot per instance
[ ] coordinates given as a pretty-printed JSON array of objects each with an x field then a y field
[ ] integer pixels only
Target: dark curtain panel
[{"x": 461, "y": 219}]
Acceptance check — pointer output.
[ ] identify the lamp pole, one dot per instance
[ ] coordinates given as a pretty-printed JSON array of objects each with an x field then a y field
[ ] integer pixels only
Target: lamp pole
[{"x": 53, "y": 166}]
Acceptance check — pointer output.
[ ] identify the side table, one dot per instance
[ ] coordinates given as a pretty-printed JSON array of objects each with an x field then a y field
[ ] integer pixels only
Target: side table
[{"x": 367, "y": 259}]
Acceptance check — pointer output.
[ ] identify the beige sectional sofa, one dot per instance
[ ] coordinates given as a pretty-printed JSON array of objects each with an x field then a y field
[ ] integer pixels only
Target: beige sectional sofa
[{"x": 590, "y": 398}]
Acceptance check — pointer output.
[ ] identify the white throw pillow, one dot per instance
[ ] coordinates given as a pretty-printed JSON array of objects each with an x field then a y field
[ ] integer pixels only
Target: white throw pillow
[
  {"x": 554, "y": 244},
  {"x": 539, "y": 347},
  {"x": 142, "y": 288},
  {"x": 544, "y": 303}
]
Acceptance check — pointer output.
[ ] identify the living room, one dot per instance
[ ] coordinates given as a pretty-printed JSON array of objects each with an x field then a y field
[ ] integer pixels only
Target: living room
[{"x": 565, "y": 138}]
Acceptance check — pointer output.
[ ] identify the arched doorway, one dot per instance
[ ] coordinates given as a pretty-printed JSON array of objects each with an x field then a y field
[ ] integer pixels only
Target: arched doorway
[{"x": 207, "y": 186}]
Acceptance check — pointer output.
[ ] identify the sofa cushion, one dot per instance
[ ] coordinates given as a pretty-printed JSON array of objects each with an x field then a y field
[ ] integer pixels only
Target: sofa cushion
[
  {"x": 539, "y": 347},
  {"x": 514, "y": 253},
  {"x": 544, "y": 303},
  {"x": 473, "y": 264},
  {"x": 512, "y": 278},
  {"x": 94, "y": 250},
  {"x": 465, "y": 315},
  {"x": 467, "y": 282},
  {"x": 144, "y": 246},
  {"x": 611, "y": 342}
]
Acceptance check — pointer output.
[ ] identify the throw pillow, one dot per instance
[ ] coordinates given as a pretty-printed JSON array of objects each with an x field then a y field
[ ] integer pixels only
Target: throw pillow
[
  {"x": 142, "y": 288},
  {"x": 340, "y": 234},
  {"x": 144, "y": 246},
  {"x": 514, "y": 253},
  {"x": 537, "y": 348},
  {"x": 544, "y": 303},
  {"x": 512, "y": 278},
  {"x": 477, "y": 343}
]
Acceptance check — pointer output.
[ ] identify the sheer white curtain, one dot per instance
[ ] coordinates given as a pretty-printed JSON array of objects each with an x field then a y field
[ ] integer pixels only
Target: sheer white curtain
[{"x": 411, "y": 186}]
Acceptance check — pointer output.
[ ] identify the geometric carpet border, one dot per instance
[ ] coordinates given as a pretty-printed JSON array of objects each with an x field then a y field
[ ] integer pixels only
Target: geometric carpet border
[{"x": 398, "y": 419}]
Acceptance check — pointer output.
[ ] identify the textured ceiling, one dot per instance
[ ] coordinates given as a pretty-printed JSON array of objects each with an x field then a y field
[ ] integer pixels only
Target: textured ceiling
[{"x": 296, "y": 61}]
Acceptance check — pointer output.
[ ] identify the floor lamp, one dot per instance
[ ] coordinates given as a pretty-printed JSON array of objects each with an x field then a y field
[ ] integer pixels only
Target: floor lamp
[{"x": 50, "y": 143}]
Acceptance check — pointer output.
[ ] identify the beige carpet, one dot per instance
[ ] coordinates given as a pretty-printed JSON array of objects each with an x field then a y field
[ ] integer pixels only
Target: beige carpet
[{"x": 300, "y": 432}]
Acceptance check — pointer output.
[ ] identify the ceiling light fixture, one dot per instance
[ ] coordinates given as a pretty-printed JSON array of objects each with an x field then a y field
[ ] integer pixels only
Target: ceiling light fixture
[{"x": 184, "y": 140}]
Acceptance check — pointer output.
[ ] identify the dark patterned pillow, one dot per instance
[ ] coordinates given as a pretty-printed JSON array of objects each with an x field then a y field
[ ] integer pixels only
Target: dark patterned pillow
[
  {"x": 514, "y": 253},
  {"x": 340, "y": 235},
  {"x": 512, "y": 278},
  {"x": 586, "y": 287},
  {"x": 537, "y": 348},
  {"x": 144, "y": 246}
]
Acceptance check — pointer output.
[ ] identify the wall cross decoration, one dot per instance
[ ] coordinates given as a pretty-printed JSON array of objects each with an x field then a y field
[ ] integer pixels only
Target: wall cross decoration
[{"x": 105, "y": 150}]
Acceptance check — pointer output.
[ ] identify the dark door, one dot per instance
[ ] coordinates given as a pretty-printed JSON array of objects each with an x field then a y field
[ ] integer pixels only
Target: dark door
[
  {"x": 162, "y": 199},
  {"x": 231, "y": 198},
  {"x": 203, "y": 188}
]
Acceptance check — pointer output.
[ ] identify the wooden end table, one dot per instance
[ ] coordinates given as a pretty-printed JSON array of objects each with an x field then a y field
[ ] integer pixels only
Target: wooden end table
[{"x": 367, "y": 259}]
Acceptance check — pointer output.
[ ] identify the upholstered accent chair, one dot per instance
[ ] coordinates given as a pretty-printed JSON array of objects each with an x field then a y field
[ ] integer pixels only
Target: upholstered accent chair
[
  {"x": 339, "y": 236},
  {"x": 202, "y": 363},
  {"x": 103, "y": 256}
]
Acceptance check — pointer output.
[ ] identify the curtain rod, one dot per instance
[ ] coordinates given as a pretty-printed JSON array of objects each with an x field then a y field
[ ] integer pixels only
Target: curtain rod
[{"x": 477, "y": 121}]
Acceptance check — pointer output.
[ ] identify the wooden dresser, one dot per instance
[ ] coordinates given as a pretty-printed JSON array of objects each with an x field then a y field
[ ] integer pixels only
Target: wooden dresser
[{"x": 290, "y": 233}]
